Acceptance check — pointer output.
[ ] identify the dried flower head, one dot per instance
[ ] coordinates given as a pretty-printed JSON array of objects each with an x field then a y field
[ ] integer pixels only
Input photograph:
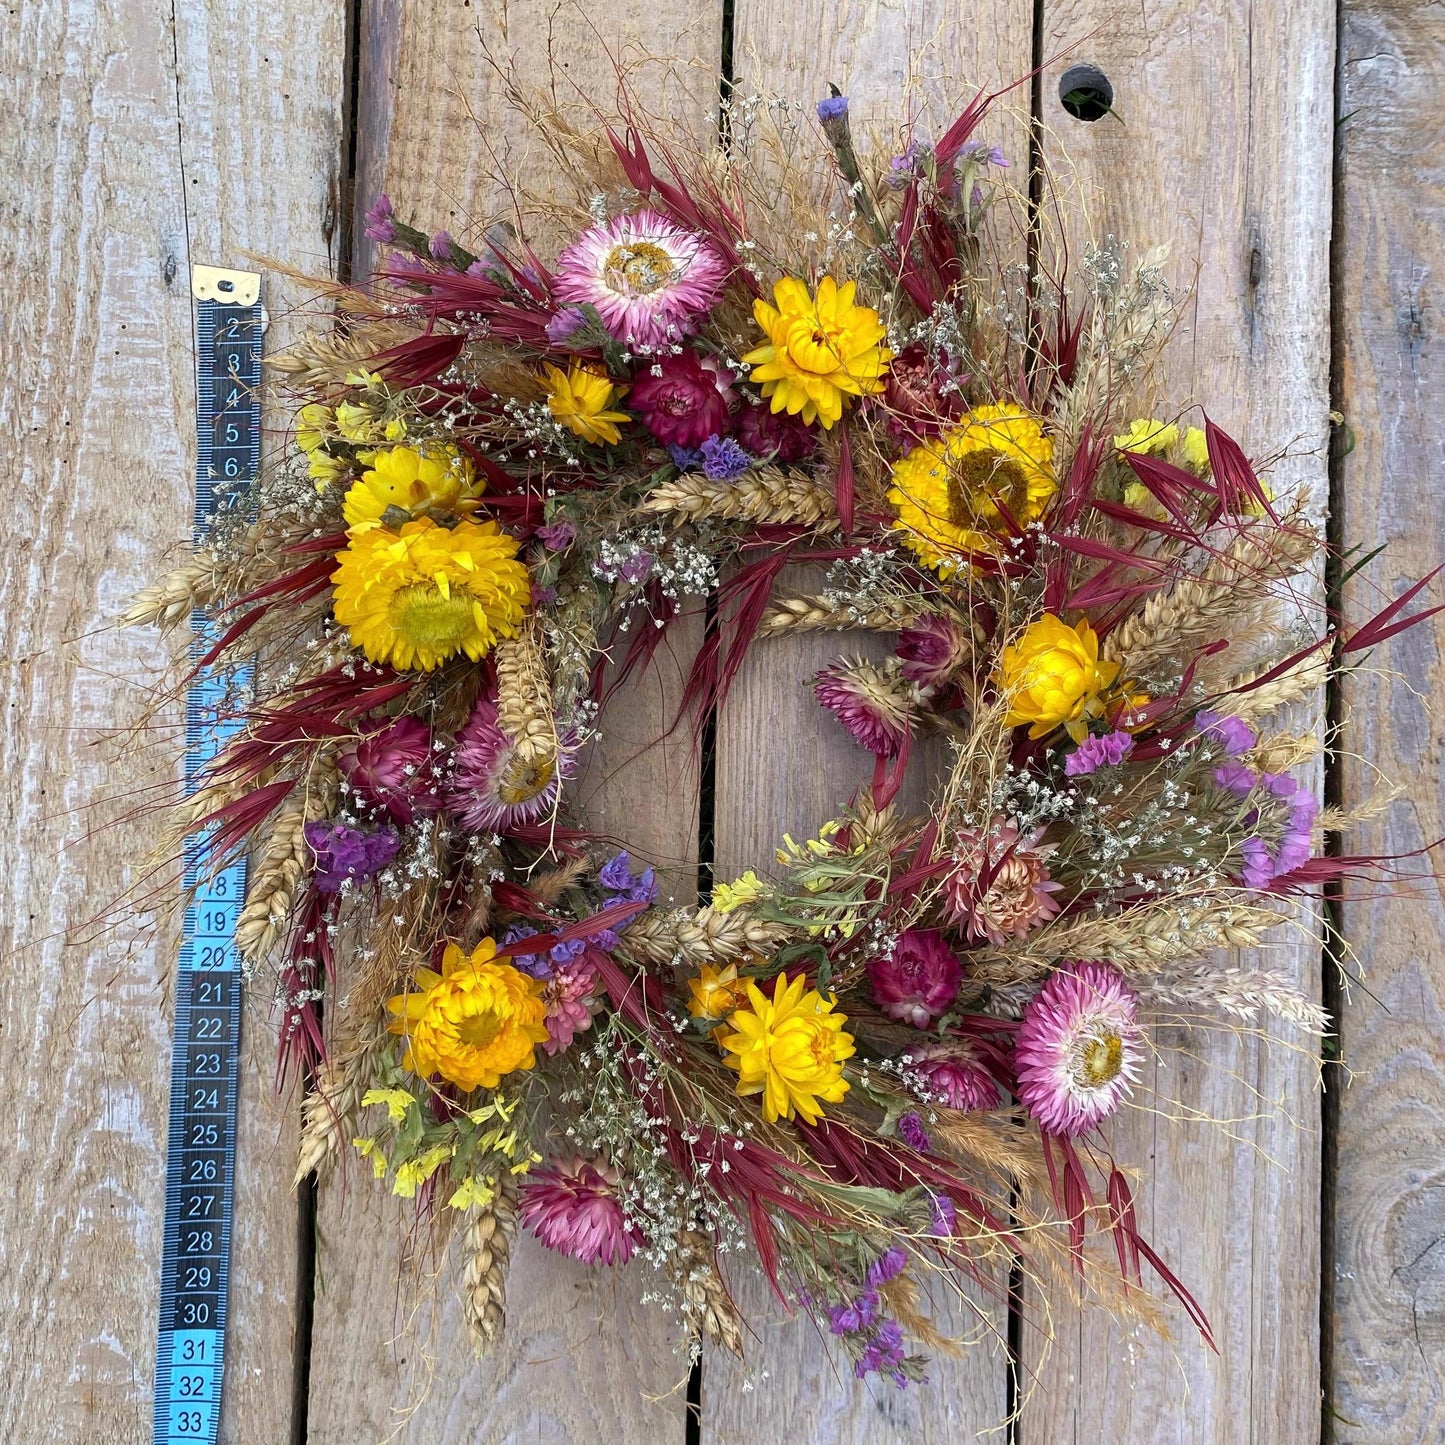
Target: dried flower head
[
  {"x": 918, "y": 981},
  {"x": 571, "y": 1205},
  {"x": 999, "y": 887}
]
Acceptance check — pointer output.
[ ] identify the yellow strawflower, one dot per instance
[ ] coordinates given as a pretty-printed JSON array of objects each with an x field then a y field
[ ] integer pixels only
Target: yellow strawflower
[
  {"x": 790, "y": 1049},
  {"x": 416, "y": 597},
  {"x": 430, "y": 477},
  {"x": 580, "y": 399},
  {"x": 1148, "y": 437},
  {"x": 952, "y": 492},
  {"x": 1052, "y": 675},
  {"x": 474, "y": 1023},
  {"x": 819, "y": 350}
]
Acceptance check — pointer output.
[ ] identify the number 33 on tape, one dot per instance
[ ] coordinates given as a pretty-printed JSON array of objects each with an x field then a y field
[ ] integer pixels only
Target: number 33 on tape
[{"x": 201, "y": 1157}]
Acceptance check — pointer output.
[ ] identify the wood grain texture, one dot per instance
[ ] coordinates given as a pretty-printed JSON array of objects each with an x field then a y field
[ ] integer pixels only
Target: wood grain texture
[
  {"x": 583, "y": 1357},
  {"x": 131, "y": 131},
  {"x": 783, "y": 765},
  {"x": 1223, "y": 150},
  {"x": 1388, "y": 1335}
]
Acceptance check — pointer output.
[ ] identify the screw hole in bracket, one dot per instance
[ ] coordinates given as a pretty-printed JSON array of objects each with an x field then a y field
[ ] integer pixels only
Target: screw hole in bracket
[{"x": 1085, "y": 92}]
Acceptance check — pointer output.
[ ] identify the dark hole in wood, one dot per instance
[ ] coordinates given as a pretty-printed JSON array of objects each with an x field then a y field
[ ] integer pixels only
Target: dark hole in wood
[{"x": 1085, "y": 92}]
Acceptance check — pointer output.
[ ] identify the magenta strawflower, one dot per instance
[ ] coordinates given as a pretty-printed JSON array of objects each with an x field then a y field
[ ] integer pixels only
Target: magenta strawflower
[
  {"x": 916, "y": 400},
  {"x": 932, "y": 649},
  {"x": 650, "y": 280},
  {"x": 570, "y": 996},
  {"x": 775, "y": 434},
  {"x": 1078, "y": 1049},
  {"x": 953, "y": 1077},
  {"x": 999, "y": 885},
  {"x": 392, "y": 769},
  {"x": 493, "y": 787},
  {"x": 873, "y": 703},
  {"x": 918, "y": 981},
  {"x": 682, "y": 399},
  {"x": 571, "y": 1205}
]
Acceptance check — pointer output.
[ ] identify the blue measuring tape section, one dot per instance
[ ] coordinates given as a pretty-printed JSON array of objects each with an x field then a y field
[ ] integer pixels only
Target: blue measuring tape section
[{"x": 201, "y": 1151}]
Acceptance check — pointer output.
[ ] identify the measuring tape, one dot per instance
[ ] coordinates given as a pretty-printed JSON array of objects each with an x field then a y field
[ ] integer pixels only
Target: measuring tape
[{"x": 201, "y": 1150}]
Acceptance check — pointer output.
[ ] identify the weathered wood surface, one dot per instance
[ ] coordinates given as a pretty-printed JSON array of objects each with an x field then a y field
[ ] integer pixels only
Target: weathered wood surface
[
  {"x": 141, "y": 128},
  {"x": 137, "y": 138},
  {"x": 1388, "y": 1329},
  {"x": 1221, "y": 148}
]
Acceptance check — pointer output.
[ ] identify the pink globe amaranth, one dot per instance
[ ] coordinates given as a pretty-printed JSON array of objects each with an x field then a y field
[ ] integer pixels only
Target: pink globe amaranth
[
  {"x": 571, "y": 1205},
  {"x": 681, "y": 401},
  {"x": 1078, "y": 1048},
  {"x": 919, "y": 981},
  {"x": 393, "y": 770},
  {"x": 952, "y": 1074},
  {"x": 766, "y": 433}
]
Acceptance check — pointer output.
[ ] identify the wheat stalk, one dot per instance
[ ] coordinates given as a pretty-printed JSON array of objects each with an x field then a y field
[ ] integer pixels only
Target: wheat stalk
[
  {"x": 284, "y": 861},
  {"x": 333, "y": 1103},
  {"x": 168, "y": 603},
  {"x": 1244, "y": 993},
  {"x": 1201, "y": 609},
  {"x": 819, "y": 614},
  {"x": 487, "y": 1252},
  {"x": 706, "y": 936},
  {"x": 324, "y": 358},
  {"x": 706, "y": 1304},
  {"x": 524, "y": 706},
  {"x": 1251, "y": 703},
  {"x": 762, "y": 494}
]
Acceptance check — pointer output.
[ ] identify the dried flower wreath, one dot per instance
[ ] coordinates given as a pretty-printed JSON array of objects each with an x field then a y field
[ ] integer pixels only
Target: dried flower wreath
[{"x": 896, "y": 1054}]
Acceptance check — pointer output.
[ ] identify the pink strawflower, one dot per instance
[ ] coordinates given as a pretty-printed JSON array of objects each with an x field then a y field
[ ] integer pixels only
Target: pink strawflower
[
  {"x": 1098, "y": 752},
  {"x": 1078, "y": 1049},
  {"x": 874, "y": 703},
  {"x": 775, "y": 434},
  {"x": 682, "y": 399},
  {"x": 569, "y": 994},
  {"x": 999, "y": 887},
  {"x": 954, "y": 1077},
  {"x": 913, "y": 400},
  {"x": 650, "y": 280},
  {"x": 932, "y": 649},
  {"x": 392, "y": 769},
  {"x": 919, "y": 980},
  {"x": 493, "y": 788},
  {"x": 571, "y": 1205}
]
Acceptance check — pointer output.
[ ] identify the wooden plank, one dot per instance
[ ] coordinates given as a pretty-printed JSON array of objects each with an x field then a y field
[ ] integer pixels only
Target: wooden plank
[
  {"x": 98, "y": 402},
  {"x": 783, "y": 766},
  {"x": 1223, "y": 152},
  {"x": 1388, "y": 1332},
  {"x": 582, "y": 1353}
]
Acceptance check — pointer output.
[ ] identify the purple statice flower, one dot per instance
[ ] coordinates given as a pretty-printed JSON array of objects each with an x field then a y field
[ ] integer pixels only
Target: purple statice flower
[
  {"x": 685, "y": 459},
  {"x": 557, "y": 536},
  {"x": 1236, "y": 778},
  {"x": 623, "y": 885},
  {"x": 883, "y": 1354},
  {"x": 1303, "y": 808},
  {"x": 945, "y": 1216},
  {"x": 566, "y": 324},
  {"x": 379, "y": 223},
  {"x": 890, "y": 1266},
  {"x": 912, "y": 1132},
  {"x": 723, "y": 459},
  {"x": 536, "y": 965},
  {"x": 849, "y": 1319},
  {"x": 832, "y": 107},
  {"x": 542, "y": 596},
  {"x": 1098, "y": 752},
  {"x": 566, "y": 951},
  {"x": 405, "y": 264},
  {"x": 344, "y": 853},
  {"x": 1233, "y": 734},
  {"x": 440, "y": 246},
  {"x": 637, "y": 568}
]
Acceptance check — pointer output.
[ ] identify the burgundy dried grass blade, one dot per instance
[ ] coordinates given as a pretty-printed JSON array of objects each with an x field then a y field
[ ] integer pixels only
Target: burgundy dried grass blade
[
  {"x": 1375, "y": 631},
  {"x": 1234, "y": 477},
  {"x": 714, "y": 670},
  {"x": 844, "y": 485},
  {"x": 422, "y": 359}
]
